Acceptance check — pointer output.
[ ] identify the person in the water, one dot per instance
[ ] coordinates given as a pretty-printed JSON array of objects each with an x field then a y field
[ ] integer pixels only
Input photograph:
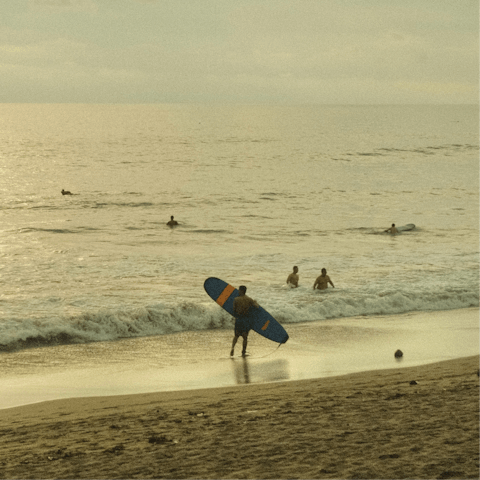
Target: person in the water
[
  {"x": 66, "y": 192},
  {"x": 321, "y": 283},
  {"x": 292, "y": 279},
  {"x": 393, "y": 230},
  {"x": 172, "y": 222}
]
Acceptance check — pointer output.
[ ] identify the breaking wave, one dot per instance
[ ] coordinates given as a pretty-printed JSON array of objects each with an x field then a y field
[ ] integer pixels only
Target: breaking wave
[{"x": 303, "y": 305}]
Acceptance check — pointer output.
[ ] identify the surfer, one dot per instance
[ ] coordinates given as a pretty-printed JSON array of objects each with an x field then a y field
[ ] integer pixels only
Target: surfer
[
  {"x": 241, "y": 308},
  {"x": 321, "y": 283},
  {"x": 66, "y": 192},
  {"x": 172, "y": 222},
  {"x": 292, "y": 279},
  {"x": 393, "y": 230}
]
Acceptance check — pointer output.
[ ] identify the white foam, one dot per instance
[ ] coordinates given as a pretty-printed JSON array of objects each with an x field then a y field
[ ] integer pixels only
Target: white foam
[{"x": 304, "y": 305}]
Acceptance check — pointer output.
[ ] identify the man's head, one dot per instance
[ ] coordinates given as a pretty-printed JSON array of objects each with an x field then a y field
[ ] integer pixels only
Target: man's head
[
  {"x": 171, "y": 218},
  {"x": 242, "y": 289},
  {"x": 295, "y": 269},
  {"x": 393, "y": 224},
  {"x": 324, "y": 271}
]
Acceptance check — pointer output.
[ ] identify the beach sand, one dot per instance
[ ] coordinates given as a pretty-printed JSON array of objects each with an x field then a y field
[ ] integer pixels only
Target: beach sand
[{"x": 373, "y": 424}]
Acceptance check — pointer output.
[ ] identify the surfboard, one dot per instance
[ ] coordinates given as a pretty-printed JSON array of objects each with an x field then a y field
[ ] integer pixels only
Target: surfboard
[
  {"x": 262, "y": 322},
  {"x": 406, "y": 228}
]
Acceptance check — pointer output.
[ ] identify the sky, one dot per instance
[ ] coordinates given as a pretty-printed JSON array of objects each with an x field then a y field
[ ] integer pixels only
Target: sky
[{"x": 240, "y": 51}]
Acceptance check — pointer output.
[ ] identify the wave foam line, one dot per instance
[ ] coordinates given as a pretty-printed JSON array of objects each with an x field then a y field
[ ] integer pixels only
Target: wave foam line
[{"x": 18, "y": 334}]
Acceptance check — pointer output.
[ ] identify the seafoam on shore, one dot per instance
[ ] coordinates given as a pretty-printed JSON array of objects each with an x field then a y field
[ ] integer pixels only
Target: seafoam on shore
[{"x": 193, "y": 360}]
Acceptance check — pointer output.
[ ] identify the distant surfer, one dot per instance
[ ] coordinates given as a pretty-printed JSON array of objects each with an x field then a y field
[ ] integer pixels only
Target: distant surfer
[
  {"x": 292, "y": 279},
  {"x": 321, "y": 283},
  {"x": 241, "y": 307},
  {"x": 66, "y": 192},
  {"x": 393, "y": 230},
  {"x": 172, "y": 222}
]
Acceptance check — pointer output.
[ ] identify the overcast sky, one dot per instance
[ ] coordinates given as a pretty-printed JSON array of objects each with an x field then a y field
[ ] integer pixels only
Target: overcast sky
[{"x": 239, "y": 51}]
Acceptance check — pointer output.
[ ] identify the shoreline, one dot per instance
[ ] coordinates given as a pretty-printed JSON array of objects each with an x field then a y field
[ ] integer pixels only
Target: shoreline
[
  {"x": 376, "y": 424},
  {"x": 196, "y": 360}
]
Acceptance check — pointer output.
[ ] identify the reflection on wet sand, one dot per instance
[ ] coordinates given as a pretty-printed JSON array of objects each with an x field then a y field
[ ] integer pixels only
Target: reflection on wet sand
[{"x": 248, "y": 371}]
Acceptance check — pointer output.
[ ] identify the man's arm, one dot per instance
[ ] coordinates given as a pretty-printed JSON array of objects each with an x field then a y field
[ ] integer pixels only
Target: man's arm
[{"x": 330, "y": 282}]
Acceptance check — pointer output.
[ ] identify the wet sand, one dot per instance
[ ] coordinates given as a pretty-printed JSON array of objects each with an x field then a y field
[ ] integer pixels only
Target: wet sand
[
  {"x": 200, "y": 359},
  {"x": 413, "y": 422}
]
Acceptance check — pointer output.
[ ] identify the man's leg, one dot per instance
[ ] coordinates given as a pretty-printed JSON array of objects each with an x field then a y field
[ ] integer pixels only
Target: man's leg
[
  {"x": 235, "y": 338},
  {"x": 245, "y": 338}
]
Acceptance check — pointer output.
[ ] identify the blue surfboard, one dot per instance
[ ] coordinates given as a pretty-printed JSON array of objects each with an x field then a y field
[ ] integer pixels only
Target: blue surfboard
[{"x": 262, "y": 322}]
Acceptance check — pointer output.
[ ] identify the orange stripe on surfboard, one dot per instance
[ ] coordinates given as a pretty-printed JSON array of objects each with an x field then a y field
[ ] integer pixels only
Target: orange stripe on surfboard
[
  {"x": 266, "y": 325},
  {"x": 223, "y": 297}
]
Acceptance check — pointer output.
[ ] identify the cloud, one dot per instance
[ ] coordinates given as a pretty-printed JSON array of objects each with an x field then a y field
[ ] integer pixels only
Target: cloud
[
  {"x": 439, "y": 89},
  {"x": 243, "y": 51},
  {"x": 66, "y": 5}
]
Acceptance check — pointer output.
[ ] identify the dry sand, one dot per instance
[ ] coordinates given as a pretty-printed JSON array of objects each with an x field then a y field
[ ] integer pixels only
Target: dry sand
[{"x": 364, "y": 425}]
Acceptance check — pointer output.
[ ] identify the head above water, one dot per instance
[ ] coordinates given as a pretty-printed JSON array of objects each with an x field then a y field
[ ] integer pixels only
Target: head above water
[
  {"x": 295, "y": 269},
  {"x": 393, "y": 224},
  {"x": 324, "y": 271},
  {"x": 171, "y": 217},
  {"x": 242, "y": 288}
]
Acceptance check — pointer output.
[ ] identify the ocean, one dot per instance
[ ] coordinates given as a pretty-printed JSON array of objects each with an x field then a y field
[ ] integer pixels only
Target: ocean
[{"x": 255, "y": 189}]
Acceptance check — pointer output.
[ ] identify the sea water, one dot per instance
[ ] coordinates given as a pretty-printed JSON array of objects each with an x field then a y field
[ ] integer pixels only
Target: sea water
[{"x": 255, "y": 189}]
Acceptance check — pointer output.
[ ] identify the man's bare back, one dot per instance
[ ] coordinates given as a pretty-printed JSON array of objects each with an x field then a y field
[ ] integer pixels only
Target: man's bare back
[
  {"x": 241, "y": 307},
  {"x": 242, "y": 304}
]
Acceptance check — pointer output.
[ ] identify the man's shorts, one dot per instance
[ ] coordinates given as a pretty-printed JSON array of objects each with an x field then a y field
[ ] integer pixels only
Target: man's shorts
[{"x": 242, "y": 325}]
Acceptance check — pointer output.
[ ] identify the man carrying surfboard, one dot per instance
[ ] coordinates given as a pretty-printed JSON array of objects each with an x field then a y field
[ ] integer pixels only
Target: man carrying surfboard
[{"x": 241, "y": 307}]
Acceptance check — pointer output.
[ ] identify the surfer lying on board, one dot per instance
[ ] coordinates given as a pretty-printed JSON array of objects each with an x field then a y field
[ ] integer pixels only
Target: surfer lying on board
[
  {"x": 66, "y": 192},
  {"x": 241, "y": 308},
  {"x": 393, "y": 230},
  {"x": 321, "y": 283},
  {"x": 172, "y": 222},
  {"x": 292, "y": 279}
]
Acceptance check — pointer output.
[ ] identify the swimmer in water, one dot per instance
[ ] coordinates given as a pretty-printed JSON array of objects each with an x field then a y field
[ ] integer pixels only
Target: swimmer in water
[
  {"x": 172, "y": 222},
  {"x": 66, "y": 192},
  {"x": 393, "y": 230},
  {"x": 321, "y": 283},
  {"x": 292, "y": 279}
]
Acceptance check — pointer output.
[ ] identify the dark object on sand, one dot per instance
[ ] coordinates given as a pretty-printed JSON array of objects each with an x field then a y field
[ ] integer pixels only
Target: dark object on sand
[
  {"x": 398, "y": 354},
  {"x": 66, "y": 192},
  {"x": 413, "y": 382}
]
